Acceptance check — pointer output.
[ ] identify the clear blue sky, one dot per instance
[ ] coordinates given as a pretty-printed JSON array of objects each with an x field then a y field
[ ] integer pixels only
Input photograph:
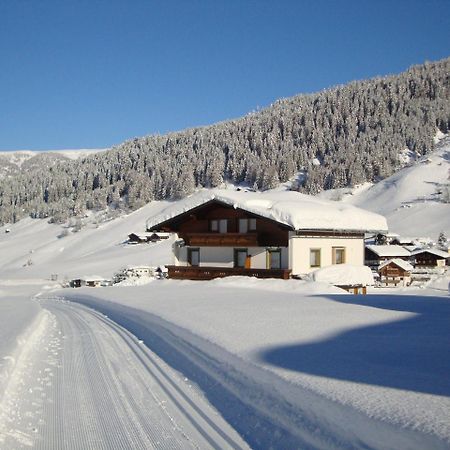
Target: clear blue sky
[{"x": 90, "y": 74}]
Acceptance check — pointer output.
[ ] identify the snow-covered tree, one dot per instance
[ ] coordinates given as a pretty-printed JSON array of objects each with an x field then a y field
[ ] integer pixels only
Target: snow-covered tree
[{"x": 442, "y": 241}]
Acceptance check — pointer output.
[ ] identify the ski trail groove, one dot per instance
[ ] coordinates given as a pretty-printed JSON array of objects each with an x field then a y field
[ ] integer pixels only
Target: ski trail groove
[{"x": 93, "y": 385}]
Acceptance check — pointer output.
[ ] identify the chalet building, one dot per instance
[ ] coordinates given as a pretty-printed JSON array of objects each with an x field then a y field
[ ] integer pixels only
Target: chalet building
[
  {"x": 395, "y": 271},
  {"x": 431, "y": 257},
  {"x": 276, "y": 235},
  {"x": 378, "y": 254}
]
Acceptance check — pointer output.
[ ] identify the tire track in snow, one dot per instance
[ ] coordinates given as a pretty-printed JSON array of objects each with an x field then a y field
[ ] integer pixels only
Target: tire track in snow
[{"x": 94, "y": 385}]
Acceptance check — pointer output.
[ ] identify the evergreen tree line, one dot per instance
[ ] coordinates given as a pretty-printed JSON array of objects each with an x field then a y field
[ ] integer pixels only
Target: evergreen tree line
[{"x": 338, "y": 137}]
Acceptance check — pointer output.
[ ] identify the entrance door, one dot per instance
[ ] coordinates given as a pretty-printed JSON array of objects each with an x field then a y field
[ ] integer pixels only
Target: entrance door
[
  {"x": 240, "y": 256},
  {"x": 274, "y": 259},
  {"x": 193, "y": 256}
]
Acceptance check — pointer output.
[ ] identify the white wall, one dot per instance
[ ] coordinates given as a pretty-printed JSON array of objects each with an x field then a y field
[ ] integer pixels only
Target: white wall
[
  {"x": 224, "y": 257},
  {"x": 300, "y": 246}
]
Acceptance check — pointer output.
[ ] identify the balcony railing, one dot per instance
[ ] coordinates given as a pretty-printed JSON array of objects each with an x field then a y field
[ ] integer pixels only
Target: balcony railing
[
  {"x": 208, "y": 273},
  {"x": 221, "y": 239}
]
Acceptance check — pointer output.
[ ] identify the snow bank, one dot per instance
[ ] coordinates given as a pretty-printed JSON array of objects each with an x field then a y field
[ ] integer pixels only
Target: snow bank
[
  {"x": 298, "y": 211},
  {"x": 18, "y": 318},
  {"x": 343, "y": 275},
  {"x": 441, "y": 283}
]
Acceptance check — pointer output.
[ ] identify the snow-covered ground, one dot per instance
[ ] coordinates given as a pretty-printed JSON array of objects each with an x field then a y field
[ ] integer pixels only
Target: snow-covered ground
[{"x": 286, "y": 364}]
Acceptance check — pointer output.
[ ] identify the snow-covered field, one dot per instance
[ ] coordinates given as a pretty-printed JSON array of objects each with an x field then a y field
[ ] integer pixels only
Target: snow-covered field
[{"x": 224, "y": 363}]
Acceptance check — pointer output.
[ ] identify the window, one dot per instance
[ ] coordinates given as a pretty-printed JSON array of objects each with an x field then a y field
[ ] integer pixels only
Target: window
[
  {"x": 240, "y": 257},
  {"x": 218, "y": 225},
  {"x": 314, "y": 257},
  {"x": 194, "y": 256},
  {"x": 274, "y": 259},
  {"x": 246, "y": 225},
  {"x": 223, "y": 225},
  {"x": 338, "y": 255}
]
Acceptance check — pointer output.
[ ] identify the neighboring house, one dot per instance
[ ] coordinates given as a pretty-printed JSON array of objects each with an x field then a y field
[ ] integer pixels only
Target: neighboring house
[
  {"x": 77, "y": 282},
  {"x": 92, "y": 281},
  {"x": 136, "y": 238},
  {"x": 403, "y": 241},
  {"x": 395, "y": 271},
  {"x": 267, "y": 235},
  {"x": 431, "y": 257},
  {"x": 141, "y": 238},
  {"x": 378, "y": 254}
]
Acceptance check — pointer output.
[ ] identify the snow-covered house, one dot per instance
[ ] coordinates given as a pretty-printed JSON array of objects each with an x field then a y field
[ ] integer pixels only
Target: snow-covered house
[
  {"x": 277, "y": 234},
  {"x": 395, "y": 271},
  {"x": 139, "y": 238},
  {"x": 378, "y": 254},
  {"x": 431, "y": 257}
]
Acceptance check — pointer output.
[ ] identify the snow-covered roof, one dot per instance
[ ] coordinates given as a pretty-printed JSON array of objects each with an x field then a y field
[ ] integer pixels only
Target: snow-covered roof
[
  {"x": 343, "y": 275},
  {"x": 433, "y": 251},
  {"x": 298, "y": 211},
  {"x": 388, "y": 250},
  {"x": 93, "y": 278},
  {"x": 405, "y": 265}
]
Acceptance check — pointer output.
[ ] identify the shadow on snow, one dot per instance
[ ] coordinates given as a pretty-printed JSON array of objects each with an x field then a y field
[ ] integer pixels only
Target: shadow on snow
[{"x": 411, "y": 354}]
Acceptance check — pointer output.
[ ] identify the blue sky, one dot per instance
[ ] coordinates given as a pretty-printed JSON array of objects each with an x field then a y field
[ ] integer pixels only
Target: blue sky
[{"x": 91, "y": 74}]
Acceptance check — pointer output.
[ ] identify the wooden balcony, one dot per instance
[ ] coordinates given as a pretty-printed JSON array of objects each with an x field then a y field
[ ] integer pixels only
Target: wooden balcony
[
  {"x": 208, "y": 273},
  {"x": 221, "y": 239}
]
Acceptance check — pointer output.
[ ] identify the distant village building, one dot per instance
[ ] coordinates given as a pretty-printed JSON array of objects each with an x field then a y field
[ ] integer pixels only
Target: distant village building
[
  {"x": 140, "y": 238},
  {"x": 431, "y": 258},
  {"x": 265, "y": 235},
  {"x": 395, "y": 271},
  {"x": 77, "y": 282},
  {"x": 377, "y": 254},
  {"x": 92, "y": 281},
  {"x": 403, "y": 240}
]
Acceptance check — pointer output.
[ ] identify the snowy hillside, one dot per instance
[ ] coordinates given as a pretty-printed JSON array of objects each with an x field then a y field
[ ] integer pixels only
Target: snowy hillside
[
  {"x": 12, "y": 162},
  {"x": 411, "y": 199},
  {"x": 34, "y": 248}
]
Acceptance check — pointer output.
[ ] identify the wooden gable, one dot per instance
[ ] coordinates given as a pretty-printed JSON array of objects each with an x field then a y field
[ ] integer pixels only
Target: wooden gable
[{"x": 197, "y": 221}]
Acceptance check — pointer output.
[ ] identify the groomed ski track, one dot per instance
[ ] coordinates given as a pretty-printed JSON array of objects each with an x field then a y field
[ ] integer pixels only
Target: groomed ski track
[{"x": 84, "y": 382}]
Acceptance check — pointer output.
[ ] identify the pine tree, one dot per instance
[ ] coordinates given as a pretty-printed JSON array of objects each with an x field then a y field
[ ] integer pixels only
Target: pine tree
[{"x": 442, "y": 241}]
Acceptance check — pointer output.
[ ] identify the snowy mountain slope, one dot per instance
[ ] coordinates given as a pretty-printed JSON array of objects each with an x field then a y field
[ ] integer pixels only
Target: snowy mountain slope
[
  {"x": 14, "y": 161},
  {"x": 409, "y": 199},
  {"x": 34, "y": 249}
]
